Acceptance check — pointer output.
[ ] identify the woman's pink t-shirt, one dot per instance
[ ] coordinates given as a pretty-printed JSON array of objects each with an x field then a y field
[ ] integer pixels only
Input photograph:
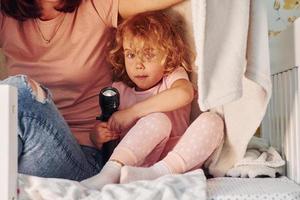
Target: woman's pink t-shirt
[
  {"x": 180, "y": 118},
  {"x": 73, "y": 65}
]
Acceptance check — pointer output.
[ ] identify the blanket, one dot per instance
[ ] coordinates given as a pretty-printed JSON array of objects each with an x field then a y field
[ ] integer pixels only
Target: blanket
[
  {"x": 232, "y": 70},
  {"x": 260, "y": 160},
  {"x": 189, "y": 186}
]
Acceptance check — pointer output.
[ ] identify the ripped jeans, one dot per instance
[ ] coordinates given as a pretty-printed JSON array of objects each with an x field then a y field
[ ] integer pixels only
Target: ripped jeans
[{"x": 46, "y": 146}]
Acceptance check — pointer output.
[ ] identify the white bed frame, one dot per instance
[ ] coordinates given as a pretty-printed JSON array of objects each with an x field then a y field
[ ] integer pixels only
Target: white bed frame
[
  {"x": 281, "y": 126},
  {"x": 8, "y": 147}
]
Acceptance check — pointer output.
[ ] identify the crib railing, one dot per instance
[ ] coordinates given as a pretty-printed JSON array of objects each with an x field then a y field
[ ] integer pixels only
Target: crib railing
[
  {"x": 281, "y": 125},
  {"x": 8, "y": 145}
]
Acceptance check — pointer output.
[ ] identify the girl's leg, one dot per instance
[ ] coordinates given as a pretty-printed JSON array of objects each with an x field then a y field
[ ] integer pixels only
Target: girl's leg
[
  {"x": 195, "y": 146},
  {"x": 47, "y": 147},
  {"x": 147, "y": 136}
]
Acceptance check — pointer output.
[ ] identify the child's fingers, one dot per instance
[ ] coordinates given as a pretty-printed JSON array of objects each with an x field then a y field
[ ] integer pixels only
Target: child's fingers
[
  {"x": 111, "y": 124},
  {"x": 116, "y": 136},
  {"x": 106, "y": 135},
  {"x": 108, "y": 139},
  {"x": 103, "y": 124},
  {"x": 112, "y": 135},
  {"x": 109, "y": 135}
]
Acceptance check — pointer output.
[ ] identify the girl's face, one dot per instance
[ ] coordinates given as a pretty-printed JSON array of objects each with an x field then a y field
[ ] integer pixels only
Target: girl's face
[{"x": 144, "y": 63}]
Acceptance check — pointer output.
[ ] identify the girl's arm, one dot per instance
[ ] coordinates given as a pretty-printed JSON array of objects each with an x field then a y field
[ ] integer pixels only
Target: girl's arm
[
  {"x": 180, "y": 94},
  {"x": 131, "y": 7}
]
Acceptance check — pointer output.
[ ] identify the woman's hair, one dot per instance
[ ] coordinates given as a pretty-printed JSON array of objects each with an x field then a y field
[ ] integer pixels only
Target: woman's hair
[
  {"x": 154, "y": 29},
  {"x": 26, "y": 9}
]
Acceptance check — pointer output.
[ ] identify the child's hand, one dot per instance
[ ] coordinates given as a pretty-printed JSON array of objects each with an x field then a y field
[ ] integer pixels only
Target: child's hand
[
  {"x": 101, "y": 134},
  {"x": 122, "y": 120}
]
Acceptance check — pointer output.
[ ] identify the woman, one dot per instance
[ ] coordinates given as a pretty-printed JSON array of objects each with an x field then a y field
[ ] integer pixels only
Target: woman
[{"x": 60, "y": 46}]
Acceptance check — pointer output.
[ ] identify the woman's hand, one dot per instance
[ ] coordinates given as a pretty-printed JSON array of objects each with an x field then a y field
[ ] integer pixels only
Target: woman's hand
[
  {"x": 101, "y": 134},
  {"x": 122, "y": 120}
]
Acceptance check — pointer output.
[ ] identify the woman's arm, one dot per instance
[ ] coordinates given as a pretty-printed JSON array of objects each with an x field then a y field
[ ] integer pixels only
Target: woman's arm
[
  {"x": 131, "y": 7},
  {"x": 180, "y": 94}
]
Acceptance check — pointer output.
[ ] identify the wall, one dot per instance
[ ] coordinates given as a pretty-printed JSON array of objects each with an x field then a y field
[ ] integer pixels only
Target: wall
[{"x": 281, "y": 14}]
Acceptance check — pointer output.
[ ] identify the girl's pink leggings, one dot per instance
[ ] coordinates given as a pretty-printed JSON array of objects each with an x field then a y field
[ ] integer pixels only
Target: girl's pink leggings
[{"x": 145, "y": 141}]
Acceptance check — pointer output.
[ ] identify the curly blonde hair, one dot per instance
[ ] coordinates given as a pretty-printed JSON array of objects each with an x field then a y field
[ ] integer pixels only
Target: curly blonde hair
[{"x": 156, "y": 29}]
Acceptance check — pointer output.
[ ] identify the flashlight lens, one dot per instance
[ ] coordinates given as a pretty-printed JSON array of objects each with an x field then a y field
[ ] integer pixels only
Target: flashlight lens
[{"x": 109, "y": 93}]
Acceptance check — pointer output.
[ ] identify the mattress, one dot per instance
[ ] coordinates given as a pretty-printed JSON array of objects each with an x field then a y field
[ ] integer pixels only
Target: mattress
[
  {"x": 252, "y": 189},
  {"x": 189, "y": 186}
]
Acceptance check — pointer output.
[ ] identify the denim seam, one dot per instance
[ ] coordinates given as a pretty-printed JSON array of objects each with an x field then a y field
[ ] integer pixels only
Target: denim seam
[{"x": 40, "y": 123}]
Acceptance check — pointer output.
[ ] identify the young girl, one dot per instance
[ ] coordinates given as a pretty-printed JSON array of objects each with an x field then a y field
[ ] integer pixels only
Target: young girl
[{"x": 150, "y": 59}]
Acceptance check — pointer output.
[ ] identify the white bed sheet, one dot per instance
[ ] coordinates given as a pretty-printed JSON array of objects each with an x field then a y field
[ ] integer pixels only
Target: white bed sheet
[
  {"x": 189, "y": 186},
  {"x": 252, "y": 189}
]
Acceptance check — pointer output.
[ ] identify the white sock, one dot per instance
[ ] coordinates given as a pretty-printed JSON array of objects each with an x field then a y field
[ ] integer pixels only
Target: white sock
[
  {"x": 109, "y": 174},
  {"x": 129, "y": 174}
]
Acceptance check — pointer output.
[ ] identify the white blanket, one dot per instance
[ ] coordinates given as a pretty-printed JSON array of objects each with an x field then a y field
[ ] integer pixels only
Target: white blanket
[
  {"x": 189, "y": 186},
  {"x": 233, "y": 71},
  {"x": 259, "y": 160}
]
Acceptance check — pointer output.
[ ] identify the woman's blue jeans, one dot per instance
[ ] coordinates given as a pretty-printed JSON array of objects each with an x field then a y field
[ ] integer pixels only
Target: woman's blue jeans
[{"x": 46, "y": 145}]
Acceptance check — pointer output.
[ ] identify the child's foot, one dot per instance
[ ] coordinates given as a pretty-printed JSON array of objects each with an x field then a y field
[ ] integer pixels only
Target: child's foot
[
  {"x": 109, "y": 174},
  {"x": 129, "y": 174}
]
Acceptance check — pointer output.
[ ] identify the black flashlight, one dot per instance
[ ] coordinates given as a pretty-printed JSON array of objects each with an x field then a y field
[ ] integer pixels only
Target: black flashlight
[{"x": 109, "y": 101}]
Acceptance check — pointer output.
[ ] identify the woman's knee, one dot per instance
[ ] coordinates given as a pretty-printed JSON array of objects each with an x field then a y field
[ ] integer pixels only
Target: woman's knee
[
  {"x": 26, "y": 86},
  {"x": 37, "y": 90}
]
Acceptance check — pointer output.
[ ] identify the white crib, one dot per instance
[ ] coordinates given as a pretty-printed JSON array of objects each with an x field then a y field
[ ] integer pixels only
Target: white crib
[{"x": 281, "y": 125}]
